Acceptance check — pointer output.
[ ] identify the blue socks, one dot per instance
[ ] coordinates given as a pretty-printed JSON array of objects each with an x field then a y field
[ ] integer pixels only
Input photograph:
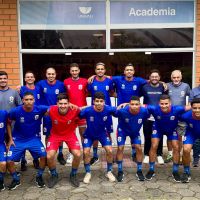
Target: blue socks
[
  {"x": 109, "y": 167},
  {"x": 74, "y": 171},
  {"x": 152, "y": 166},
  {"x": 187, "y": 169},
  {"x": 2, "y": 176},
  {"x": 15, "y": 177},
  {"x": 95, "y": 154},
  {"x": 120, "y": 167},
  {"x": 139, "y": 166},
  {"x": 175, "y": 167},
  {"x": 40, "y": 172},
  {"x": 60, "y": 150},
  {"x": 53, "y": 172},
  {"x": 87, "y": 168}
]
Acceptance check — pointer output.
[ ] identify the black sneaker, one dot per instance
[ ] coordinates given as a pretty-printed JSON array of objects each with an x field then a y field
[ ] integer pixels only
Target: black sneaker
[
  {"x": 140, "y": 176},
  {"x": 53, "y": 181},
  {"x": 195, "y": 162},
  {"x": 120, "y": 176},
  {"x": 176, "y": 177},
  {"x": 23, "y": 165},
  {"x": 74, "y": 181},
  {"x": 94, "y": 160},
  {"x": 185, "y": 178},
  {"x": 2, "y": 187},
  {"x": 150, "y": 174},
  {"x": 61, "y": 159},
  {"x": 14, "y": 184},
  {"x": 36, "y": 163},
  {"x": 40, "y": 182}
]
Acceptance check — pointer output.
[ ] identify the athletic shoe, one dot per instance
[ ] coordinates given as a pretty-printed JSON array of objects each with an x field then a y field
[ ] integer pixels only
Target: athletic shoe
[
  {"x": 14, "y": 184},
  {"x": 2, "y": 187},
  {"x": 53, "y": 181},
  {"x": 168, "y": 158},
  {"x": 69, "y": 159},
  {"x": 140, "y": 176},
  {"x": 176, "y": 177},
  {"x": 146, "y": 159},
  {"x": 134, "y": 157},
  {"x": 94, "y": 160},
  {"x": 150, "y": 174},
  {"x": 120, "y": 176},
  {"x": 110, "y": 176},
  {"x": 195, "y": 162},
  {"x": 74, "y": 181},
  {"x": 87, "y": 178},
  {"x": 185, "y": 178},
  {"x": 160, "y": 160},
  {"x": 23, "y": 165},
  {"x": 40, "y": 182},
  {"x": 36, "y": 163},
  {"x": 60, "y": 159}
]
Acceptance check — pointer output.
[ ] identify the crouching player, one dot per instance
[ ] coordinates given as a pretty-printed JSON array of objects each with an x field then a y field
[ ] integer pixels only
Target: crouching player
[
  {"x": 97, "y": 120},
  {"x": 25, "y": 135},
  {"x": 192, "y": 118},
  {"x": 63, "y": 130},
  {"x": 130, "y": 122}
]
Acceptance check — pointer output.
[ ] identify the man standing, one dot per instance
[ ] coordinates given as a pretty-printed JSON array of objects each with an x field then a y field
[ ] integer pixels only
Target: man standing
[
  {"x": 63, "y": 130},
  {"x": 27, "y": 126}
]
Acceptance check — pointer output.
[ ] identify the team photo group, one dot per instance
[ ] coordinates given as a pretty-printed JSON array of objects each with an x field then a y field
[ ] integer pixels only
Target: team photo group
[{"x": 55, "y": 109}]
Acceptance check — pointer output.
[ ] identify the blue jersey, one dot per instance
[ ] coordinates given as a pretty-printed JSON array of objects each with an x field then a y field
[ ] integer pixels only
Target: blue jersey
[
  {"x": 126, "y": 89},
  {"x": 27, "y": 124},
  {"x": 152, "y": 94},
  {"x": 49, "y": 92},
  {"x": 97, "y": 122},
  {"x": 3, "y": 124},
  {"x": 35, "y": 91},
  {"x": 105, "y": 86},
  {"x": 193, "y": 125},
  {"x": 166, "y": 123},
  {"x": 131, "y": 123}
]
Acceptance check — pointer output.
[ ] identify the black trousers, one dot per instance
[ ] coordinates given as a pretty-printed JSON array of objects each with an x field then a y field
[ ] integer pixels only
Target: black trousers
[{"x": 147, "y": 129}]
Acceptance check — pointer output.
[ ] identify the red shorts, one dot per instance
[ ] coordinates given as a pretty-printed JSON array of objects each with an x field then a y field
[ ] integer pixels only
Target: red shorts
[
  {"x": 71, "y": 141},
  {"x": 81, "y": 122}
]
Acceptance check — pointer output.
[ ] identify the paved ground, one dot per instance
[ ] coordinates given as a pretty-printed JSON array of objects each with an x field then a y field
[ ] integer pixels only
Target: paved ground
[{"x": 161, "y": 187}]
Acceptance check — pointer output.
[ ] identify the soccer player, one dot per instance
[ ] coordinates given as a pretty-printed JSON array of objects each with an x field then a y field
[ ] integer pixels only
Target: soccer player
[
  {"x": 151, "y": 92},
  {"x": 97, "y": 119},
  {"x": 101, "y": 84},
  {"x": 63, "y": 130},
  {"x": 166, "y": 121},
  {"x": 192, "y": 118},
  {"x": 26, "y": 128},
  {"x": 178, "y": 92},
  {"x": 49, "y": 89},
  {"x": 4, "y": 125},
  {"x": 130, "y": 122},
  {"x": 76, "y": 88}
]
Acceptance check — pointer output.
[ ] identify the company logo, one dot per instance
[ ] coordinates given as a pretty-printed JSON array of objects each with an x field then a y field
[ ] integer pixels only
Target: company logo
[{"x": 85, "y": 10}]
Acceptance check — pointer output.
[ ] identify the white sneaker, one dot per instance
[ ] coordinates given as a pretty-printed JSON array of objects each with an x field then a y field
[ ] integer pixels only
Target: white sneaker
[
  {"x": 160, "y": 160},
  {"x": 146, "y": 159},
  {"x": 87, "y": 178},
  {"x": 110, "y": 176},
  {"x": 69, "y": 158}
]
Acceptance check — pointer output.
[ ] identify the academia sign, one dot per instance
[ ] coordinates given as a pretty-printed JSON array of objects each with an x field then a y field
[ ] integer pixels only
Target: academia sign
[{"x": 135, "y": 12}]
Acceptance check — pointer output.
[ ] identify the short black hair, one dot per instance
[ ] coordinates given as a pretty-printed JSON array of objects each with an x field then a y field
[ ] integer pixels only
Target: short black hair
[
  {"x": 2, "y": 73},
  {"x": 29, "y": 72},
  {"x": 154, "y": 71},
  {"x": 195, "y": 100},
  {"x": 28, "y": 93},
  {"x": 62, "y": 96},
  {"x": 135, "y": 98},
  {"x": 164, "y": 97},
  {"x": 73, "y": 65},
  {"x": 99, "y": 95},
  {"x": 129, "y": 65}
]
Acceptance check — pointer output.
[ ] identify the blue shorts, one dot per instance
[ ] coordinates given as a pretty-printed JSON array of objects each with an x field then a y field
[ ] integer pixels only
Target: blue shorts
[
  {"x": 88, "y": 141},
  {"x": 34, "y": 146},
  {"x": 190, "y": 138},
  {"x": 3, "y": 154},
  {"x": 157, "y": 134},
  {"x": 121, "y": 138},
  {"x": 47, "y": 125},
  {"x": 109, "y": 127}
]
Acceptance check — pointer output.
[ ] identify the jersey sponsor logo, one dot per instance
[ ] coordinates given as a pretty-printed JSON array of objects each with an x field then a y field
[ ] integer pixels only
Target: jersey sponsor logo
[
  {"x": 95, "y": 87},
  {"x": 91, "y": 119},
  {"x": 123, "y": 86},
  {"x": 9, "y": 153},
  {"x": 139, "y": 121},
  {"x": 158, "y": 117},
  {"x": 172, "y": 118},
  {"x": 154, "y": 132},
  {"x": 182, "y": 93},
  {"x": 134, "y": 87},
  {"x": 38, "y": 96},
  {"x": 55, "y": 121},
  {"x": 107, "y": 87},
  {"x": 69, "y": 121},
  {"x": 4, "y": 154},
  {"x": 174, "y": 133},
  {"x": 1, "y": 125},
  {"x": 119, "y": 129},
  {"x": 57, "y": 91},
  {"x": 127, "y": 120},
  {"x": 184, "y": 138},
  {"x": 77, "y": 144},
  {"x": 191, "y": 125},
  {"x": 85, "y": 141},
  {"x": 108, "y": 139},
  {"x": 105, "y": 118},
  {"x": 80, "y": 87},
  {"x": 36, "y": 117},
  {"x": 48, "y": 144},
  {"x": 119, "y": 139},
  {"x": 42, "y": 149},
  {"x": 45, "y": 90},
  {"x": 11, "y": 99},
  {"x": 22, "y": 119}
]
